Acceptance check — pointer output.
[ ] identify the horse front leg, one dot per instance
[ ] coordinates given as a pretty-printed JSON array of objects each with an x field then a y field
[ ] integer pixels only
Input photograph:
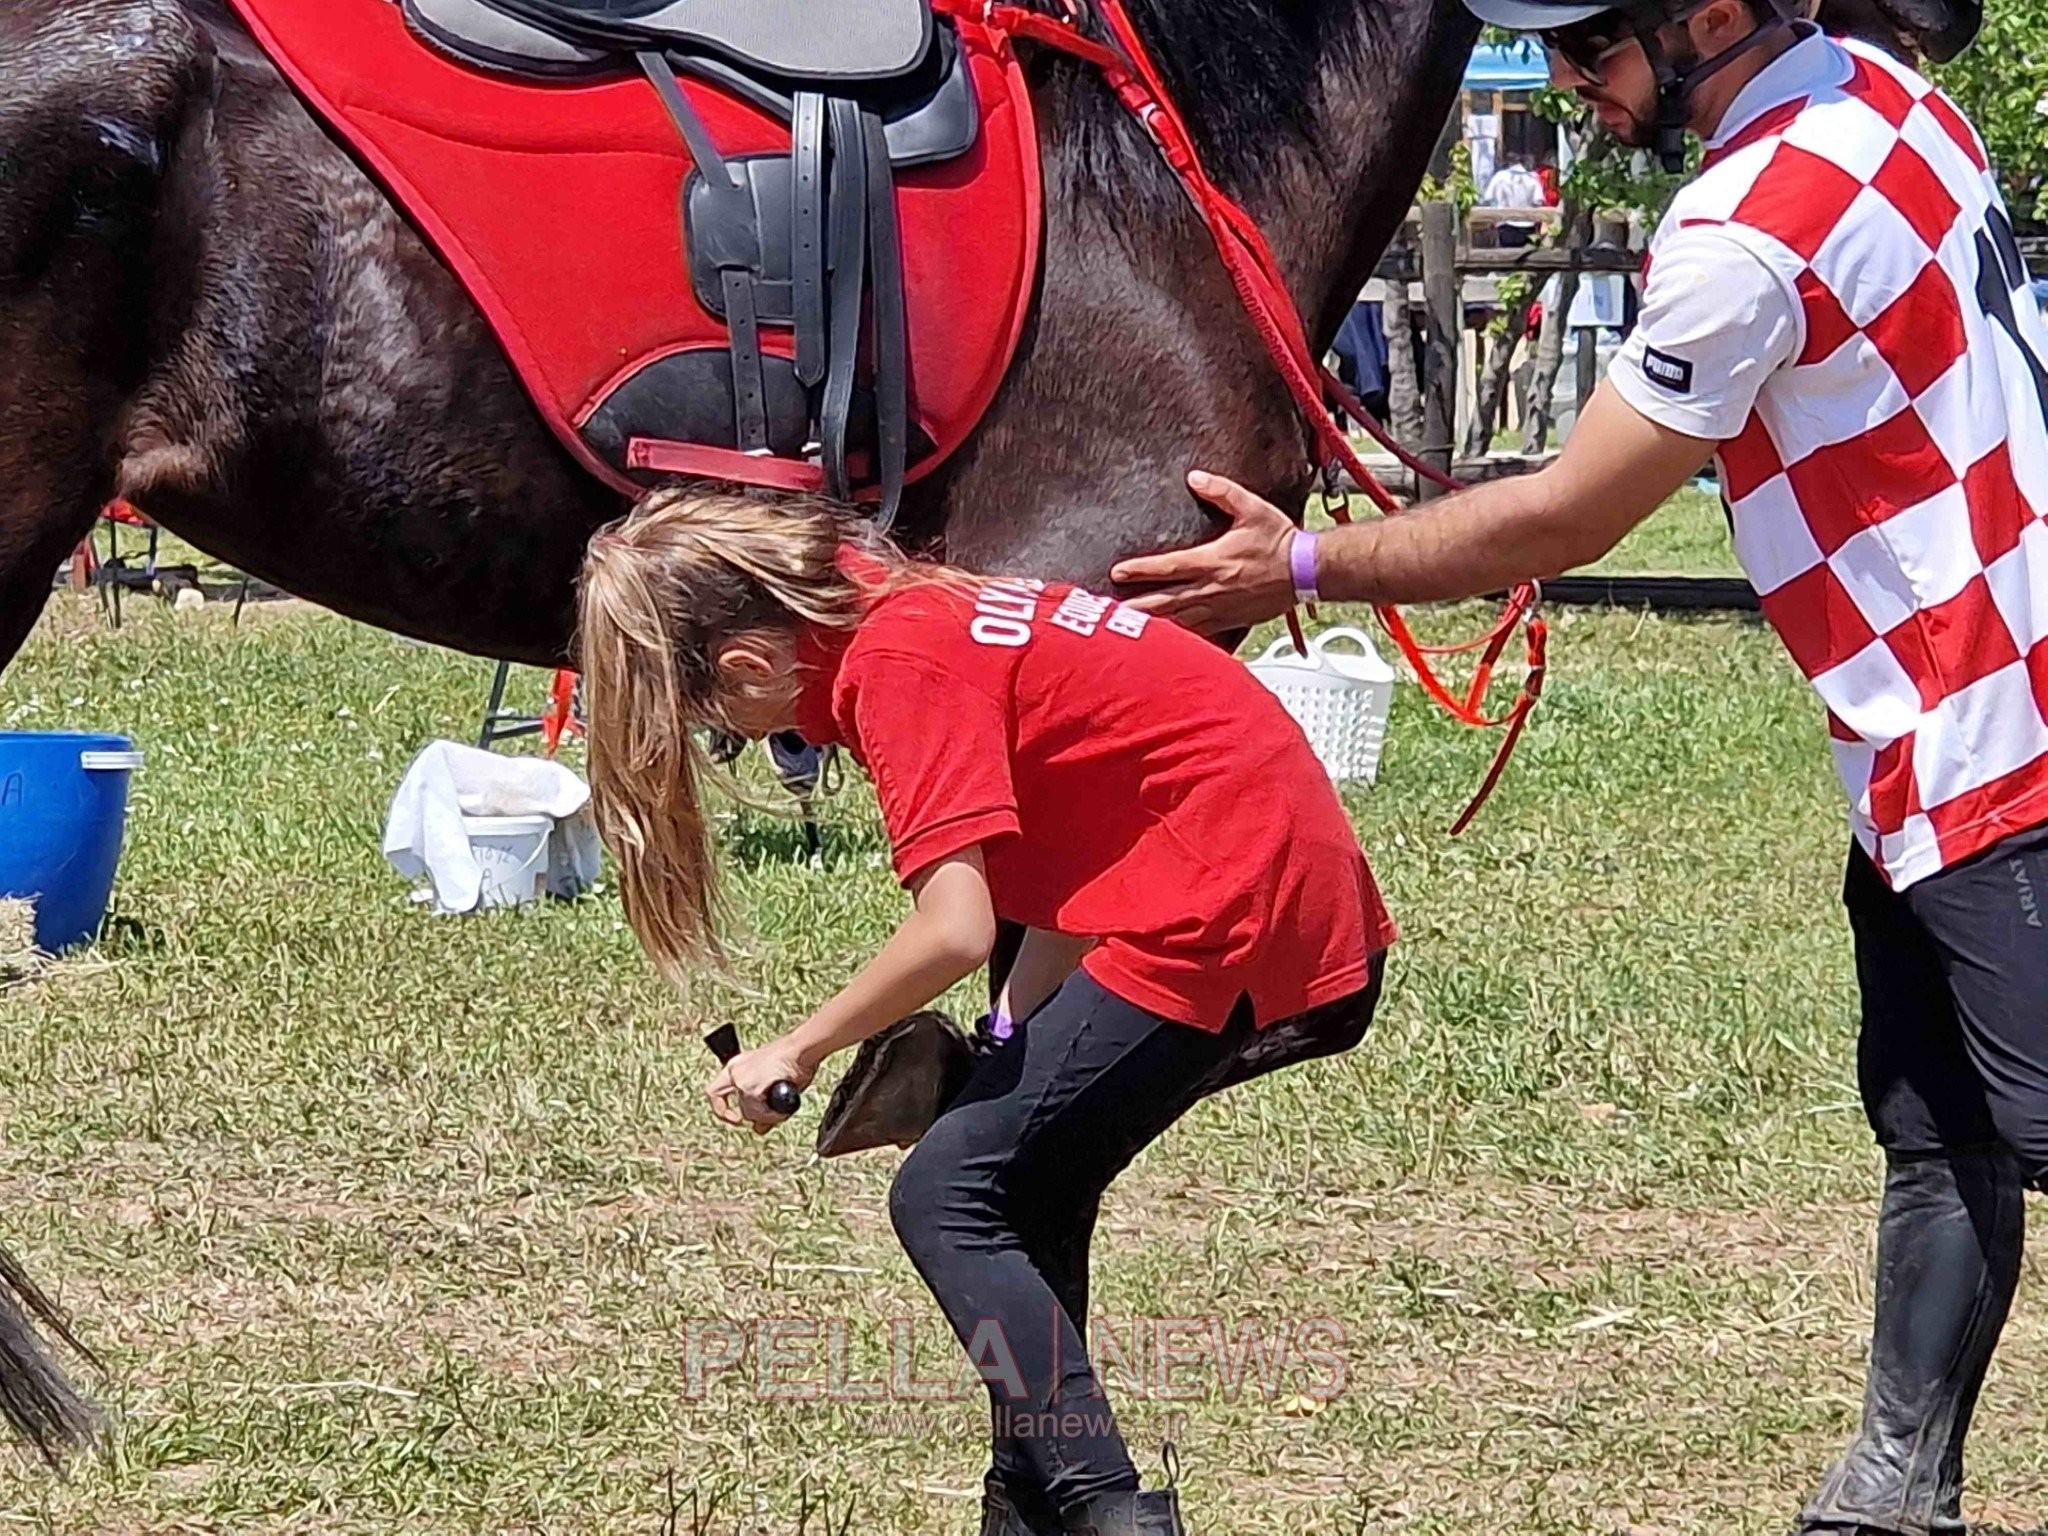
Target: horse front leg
[
  {"x": 56, "y": 412},
  {"x": 54, "y": 465},
  {"x": 53, "y": 478},
  {"x": 34, "y": 540},
  {"x": 94, "y": 95}
]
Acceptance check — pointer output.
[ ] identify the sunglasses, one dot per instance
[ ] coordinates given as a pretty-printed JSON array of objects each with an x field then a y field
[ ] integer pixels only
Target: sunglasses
[{"x": 1587, "y": 45}]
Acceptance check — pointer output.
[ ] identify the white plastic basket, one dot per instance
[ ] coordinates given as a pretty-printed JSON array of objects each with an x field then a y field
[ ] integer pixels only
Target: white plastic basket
[{"x": 1341, "y": 701}]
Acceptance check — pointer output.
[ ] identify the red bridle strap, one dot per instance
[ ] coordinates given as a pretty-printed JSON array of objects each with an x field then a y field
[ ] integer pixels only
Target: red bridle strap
[{"x": 1261, "y": 287}]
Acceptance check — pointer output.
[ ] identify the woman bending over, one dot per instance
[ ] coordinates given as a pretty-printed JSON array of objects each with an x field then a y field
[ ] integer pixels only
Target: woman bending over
[{"x": 1197, "y": 905}]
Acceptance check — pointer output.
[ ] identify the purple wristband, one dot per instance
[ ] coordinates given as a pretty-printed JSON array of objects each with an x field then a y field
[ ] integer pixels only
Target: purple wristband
[
  {"x": 1000, "y": 1024},
  {"x": 1301, "y": 564}
]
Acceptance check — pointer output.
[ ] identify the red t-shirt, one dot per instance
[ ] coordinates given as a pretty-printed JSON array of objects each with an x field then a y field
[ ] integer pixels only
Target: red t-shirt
[{"x": 1125, "y": 780}]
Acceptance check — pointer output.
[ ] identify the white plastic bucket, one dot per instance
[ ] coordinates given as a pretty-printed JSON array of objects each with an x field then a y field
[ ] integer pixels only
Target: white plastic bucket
[
  {"x": 511, "y": 853},
  {"x": 1341, "y": 701}
]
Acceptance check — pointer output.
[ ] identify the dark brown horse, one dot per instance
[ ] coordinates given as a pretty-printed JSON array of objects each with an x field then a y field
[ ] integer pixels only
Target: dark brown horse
[{"x": 207, "y": 308}]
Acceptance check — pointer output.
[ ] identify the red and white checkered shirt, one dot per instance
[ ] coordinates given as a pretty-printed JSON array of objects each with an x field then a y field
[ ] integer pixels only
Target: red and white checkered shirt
[{"x": 1842, "y": 279}]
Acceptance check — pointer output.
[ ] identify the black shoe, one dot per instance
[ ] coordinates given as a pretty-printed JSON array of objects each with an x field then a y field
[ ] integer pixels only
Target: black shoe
[
  {"x": 797, "y": 763},
  {"x": 1000, "y": 1515},
  {"x": 1154, "y": 1512},
  {"x": 1949, "y": 1240}
]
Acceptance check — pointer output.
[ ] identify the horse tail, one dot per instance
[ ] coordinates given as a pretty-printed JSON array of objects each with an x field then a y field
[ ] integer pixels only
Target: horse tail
[{"x": 37, "y": 1401}]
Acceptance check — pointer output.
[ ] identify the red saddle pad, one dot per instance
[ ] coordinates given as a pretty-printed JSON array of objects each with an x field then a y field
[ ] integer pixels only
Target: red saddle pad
[{"x": 558, "y": 206}]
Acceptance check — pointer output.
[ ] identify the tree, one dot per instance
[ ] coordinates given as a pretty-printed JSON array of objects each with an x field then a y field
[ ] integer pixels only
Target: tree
[
  {"x": 1497, "y": 344},
  {"x": 2000, "y": 82}
]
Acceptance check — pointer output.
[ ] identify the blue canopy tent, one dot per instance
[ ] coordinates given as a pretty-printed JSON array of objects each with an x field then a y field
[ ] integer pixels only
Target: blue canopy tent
[
  {"x": 1507, "y": 67},
  {"x": 1500, "y": 82}
]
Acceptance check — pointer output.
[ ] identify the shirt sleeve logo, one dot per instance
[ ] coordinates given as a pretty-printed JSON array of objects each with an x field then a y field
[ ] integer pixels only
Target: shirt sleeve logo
[{"x": 1667, "y": 372}]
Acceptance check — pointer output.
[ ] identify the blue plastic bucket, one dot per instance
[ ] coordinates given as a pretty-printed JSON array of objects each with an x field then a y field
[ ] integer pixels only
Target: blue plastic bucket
[{"x": 63, "y": 810}]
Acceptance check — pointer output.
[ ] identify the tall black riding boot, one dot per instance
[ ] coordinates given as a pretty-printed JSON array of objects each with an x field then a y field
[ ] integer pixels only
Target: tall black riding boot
[{"x": 1949, "y": 1240}]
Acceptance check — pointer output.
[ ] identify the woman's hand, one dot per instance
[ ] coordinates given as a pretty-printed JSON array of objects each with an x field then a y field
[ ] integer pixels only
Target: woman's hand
[
  {"x": 1234, "y": 581},
  {"x": 739, "y": 1094}
]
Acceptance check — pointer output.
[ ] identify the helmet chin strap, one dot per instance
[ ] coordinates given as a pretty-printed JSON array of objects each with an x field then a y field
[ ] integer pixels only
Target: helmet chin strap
[{"x": 1679, "y": 77}]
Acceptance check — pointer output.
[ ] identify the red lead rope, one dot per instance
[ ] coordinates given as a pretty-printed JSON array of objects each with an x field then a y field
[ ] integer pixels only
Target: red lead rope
[{"x": 1255, "y": 273}]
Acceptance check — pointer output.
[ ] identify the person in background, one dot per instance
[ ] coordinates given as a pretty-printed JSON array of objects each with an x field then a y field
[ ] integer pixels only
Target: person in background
[
  {"x": 1191, "y": 884},
  {"x": 1836, "y": 311},
  {"x": 1361, "y": 350},
  {"x": 1514, "y": 185}
]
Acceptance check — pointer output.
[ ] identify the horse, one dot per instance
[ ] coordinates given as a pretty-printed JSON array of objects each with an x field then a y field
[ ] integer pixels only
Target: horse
[{"x": 210, "y": 311}]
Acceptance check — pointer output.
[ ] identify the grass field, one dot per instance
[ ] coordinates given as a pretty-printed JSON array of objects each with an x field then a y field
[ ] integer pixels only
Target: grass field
[{"x": 384, "y": 1223}]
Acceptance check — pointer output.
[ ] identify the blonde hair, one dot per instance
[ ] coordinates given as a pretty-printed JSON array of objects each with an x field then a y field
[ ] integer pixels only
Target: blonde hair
[{"x": 661, "y": 592}]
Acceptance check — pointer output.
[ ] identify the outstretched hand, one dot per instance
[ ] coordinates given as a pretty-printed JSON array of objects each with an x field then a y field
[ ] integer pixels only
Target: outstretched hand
[
  {"x": 739, "y": 1093},
  {"x": 1234, "y": 581}
]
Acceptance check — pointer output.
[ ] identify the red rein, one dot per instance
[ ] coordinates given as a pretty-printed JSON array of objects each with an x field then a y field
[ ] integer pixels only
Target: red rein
[{"x": 1255, "y": 273}]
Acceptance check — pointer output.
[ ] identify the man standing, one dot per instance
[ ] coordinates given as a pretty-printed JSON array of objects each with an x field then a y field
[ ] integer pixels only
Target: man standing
[
  {"x": 1837, "y": 312},
  {"x": 1514, "y": 185}
]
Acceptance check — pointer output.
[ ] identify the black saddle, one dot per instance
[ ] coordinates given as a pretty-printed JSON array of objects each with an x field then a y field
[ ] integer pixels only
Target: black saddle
[
  {"x": 815, "y": 41},
  {"x": 805, "y": 241}
]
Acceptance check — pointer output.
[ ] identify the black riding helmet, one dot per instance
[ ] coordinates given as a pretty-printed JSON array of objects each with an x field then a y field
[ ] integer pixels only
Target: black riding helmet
[{"x": 1584, "y": 34}]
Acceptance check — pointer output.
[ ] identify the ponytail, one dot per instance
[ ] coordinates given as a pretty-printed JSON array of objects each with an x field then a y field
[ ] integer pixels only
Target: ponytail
[
  {"x": 661, "y": 592},
  {"x": 646, "y": 767}
]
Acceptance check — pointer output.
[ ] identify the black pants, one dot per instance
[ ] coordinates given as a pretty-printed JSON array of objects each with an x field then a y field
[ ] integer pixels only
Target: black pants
[
  {"x": 1954, "y": 975},
  {"x": 997, "y": 1204}
]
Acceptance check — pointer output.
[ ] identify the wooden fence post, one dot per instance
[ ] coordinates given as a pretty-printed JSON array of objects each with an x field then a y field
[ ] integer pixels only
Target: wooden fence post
[
  {"x": 1586, "y": 368},
  {"x": 1443, "y": 320}
]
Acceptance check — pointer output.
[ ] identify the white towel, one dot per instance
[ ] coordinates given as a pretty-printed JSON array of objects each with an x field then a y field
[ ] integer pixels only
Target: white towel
[{"x": 424, "y": 836}]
